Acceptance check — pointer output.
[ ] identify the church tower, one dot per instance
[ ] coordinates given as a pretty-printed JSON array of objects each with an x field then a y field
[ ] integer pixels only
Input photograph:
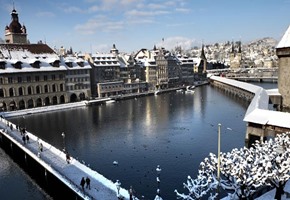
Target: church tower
[
  {"x": 203, "y": 59},
  {"x": 15, "y": 33}
]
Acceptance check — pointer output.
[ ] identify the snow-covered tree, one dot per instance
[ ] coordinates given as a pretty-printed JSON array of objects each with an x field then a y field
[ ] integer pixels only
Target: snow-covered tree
[
  {"x": 244, "y": 171},
  {"x": 276, "y": 156}
]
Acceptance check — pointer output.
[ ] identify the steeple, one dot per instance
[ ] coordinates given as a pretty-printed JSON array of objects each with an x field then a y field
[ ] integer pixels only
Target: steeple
[
  {"x": 202, "y": 55},
  {"x": 203, "y": 59},
  {"x": 15, "y": 33}
]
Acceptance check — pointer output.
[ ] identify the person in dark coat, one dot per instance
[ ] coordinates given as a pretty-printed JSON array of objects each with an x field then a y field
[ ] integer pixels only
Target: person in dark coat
[
  {"x": 83, "y": 182},
  {"x": 27, "y": 138},
  {"x": 88, "y": 182}
]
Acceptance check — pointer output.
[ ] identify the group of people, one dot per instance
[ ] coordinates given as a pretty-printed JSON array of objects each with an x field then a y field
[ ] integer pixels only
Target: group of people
[{"x": 86, "y": 181}]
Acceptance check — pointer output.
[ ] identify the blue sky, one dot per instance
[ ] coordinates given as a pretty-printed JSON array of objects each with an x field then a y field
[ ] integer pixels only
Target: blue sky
[{"x": 95, "y": 25}]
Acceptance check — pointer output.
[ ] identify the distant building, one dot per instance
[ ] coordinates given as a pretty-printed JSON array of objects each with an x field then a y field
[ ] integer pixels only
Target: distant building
[
  {"x": 236, "y": 55},
  {"x": 145, "y": 59},
  {"x": 283, "y": 53}
]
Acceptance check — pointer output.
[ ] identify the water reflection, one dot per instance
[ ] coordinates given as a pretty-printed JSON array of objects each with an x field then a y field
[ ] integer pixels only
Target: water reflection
[{"x": 173, "y": 130}]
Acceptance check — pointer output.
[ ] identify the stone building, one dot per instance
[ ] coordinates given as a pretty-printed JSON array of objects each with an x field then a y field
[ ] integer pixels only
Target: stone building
[
  {"x": 31, "y": 75},
  {"x": 283, "y": 53}
]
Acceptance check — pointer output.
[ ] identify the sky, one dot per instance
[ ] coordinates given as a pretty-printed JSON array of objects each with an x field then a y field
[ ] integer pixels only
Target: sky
[{"x": 91, "y": 26}]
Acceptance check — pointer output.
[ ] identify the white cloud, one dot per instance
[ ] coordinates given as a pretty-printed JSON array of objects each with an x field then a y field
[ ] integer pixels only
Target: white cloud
[
  {"x": 99, "y": 24},
  {"x": 73, "y": 9},
  {"x": 183, "y": 10}
]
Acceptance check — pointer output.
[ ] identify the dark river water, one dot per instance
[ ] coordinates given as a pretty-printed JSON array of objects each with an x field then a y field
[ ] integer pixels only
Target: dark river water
[{"x": 173, "y": 130}]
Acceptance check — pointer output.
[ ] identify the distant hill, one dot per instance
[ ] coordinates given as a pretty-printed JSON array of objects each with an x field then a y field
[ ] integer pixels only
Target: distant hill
[{"x": 267, "y": 41}]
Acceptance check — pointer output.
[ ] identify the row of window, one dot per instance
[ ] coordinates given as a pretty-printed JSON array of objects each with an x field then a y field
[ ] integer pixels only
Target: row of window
[
  {"x": 21, "y": 79},
  {"x": 77, "y": 80},
  {"x": 30, "y": 90},
  {"x": 77, "y": 87}
]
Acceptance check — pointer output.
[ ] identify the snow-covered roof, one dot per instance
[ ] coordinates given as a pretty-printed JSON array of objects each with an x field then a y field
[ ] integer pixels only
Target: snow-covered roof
[
  {"x": 285, "y": 41},
  {"x": 29, "y": 54}
]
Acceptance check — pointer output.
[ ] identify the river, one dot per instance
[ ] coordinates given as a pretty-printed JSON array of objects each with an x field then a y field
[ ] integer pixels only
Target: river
[{"x": 174, "y": 130}]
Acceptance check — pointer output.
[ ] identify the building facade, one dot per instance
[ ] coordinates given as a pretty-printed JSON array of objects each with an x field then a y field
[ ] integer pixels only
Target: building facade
[{"x": 283, "y": 53}]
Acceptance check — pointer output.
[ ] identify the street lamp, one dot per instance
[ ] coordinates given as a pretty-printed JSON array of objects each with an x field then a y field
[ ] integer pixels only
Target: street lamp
[
  {"x": 63, "y": 139},
  {"x": 219, "y": 150},
  {"x": 118, "y": 185}
]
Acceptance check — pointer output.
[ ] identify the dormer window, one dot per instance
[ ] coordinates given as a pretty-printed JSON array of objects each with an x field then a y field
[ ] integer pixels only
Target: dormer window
[
  {"x": 69, "y": 64},
  {"x": 2, "y": 64},
  {"x": 81, "y": 64},
  {"x": 36, "y": 64},
  {"x": 17, "y": 65},
  {"x": 55, "y": 63}
]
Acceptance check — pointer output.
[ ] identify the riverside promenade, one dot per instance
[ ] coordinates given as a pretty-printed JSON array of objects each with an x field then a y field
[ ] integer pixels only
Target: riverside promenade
[{"x": 54, "y": 161}]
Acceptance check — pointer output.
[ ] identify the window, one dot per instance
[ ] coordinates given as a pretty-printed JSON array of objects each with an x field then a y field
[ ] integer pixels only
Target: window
[
  {"x": 46, "y": 89},
  {"x": 11, "y": 92},
  {"x": 1, "y": 80},
  {"x": 36, "y": 78},
  {"x": 61, "y": 76},
  {"x": 20, "y": 91},
  {"x": 19, "y": 79},
  {"x": 28, "y": 78},
  {"x": 29, "y": 90},
  {"x": 45, "y": 77},
  {"x": 10, "y": 80},
  {"x": 53, "y": 77},
  {"x": 37, "y": 89},
  {"x": 53, "y": 88},
  {"x": 61, "y": 87},
  {"x": 2, "y": 65},
  {"x": 1, "y": 92}
]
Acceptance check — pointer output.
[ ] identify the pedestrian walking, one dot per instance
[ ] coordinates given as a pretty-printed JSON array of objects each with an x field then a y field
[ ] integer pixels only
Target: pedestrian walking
[
  {"x": 27, "y": 138},
  {"x": 67, "y": 157},
  {"x": 83, "y": 182},
  {"x": 40, "y": 147},
  {"x": 24, "y": 139},
  {"x": 88, "y": 182}
]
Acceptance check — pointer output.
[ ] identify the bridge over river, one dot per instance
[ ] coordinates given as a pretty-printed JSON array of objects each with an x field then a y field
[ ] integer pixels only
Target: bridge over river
[
  {"x": 261, "y": 122},
  {"x": 49, "y": 166}
]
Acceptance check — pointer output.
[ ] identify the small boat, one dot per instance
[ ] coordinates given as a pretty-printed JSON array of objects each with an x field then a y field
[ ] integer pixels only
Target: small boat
[
  {"x": 110, "y": 101},
  {"x": 179, "y": 90}
]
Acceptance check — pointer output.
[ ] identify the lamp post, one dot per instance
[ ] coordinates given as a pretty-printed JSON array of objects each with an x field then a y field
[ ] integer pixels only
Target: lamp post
[
  {"x": 63, "y": 140},
  {"x": 118, "y": 185},
  {"x": 219, "y": 159},
  {"x": 219, "y": 151}
]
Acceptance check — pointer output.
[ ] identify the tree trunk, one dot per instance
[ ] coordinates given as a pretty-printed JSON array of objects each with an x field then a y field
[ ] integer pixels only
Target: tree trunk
[{"x": 279, "y": 191}]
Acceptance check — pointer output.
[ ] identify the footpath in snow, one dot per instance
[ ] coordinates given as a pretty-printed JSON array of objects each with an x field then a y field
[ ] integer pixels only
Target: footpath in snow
[{"x": 54, "y": 160}]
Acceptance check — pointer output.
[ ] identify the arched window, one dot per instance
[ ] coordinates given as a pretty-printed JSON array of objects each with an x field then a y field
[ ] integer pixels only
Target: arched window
[
  {"x": 53, "y": 88},
  {"x": 20, "y": 91},
  {"x": 46, "y": 89},
  {"x": 29, "y": 90},
  {"x": 1, "y": 92},
  {"x": 11, "y": 92},
  {"x": 38, "y": 89},
  {"x": 61, "y": 87}
]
